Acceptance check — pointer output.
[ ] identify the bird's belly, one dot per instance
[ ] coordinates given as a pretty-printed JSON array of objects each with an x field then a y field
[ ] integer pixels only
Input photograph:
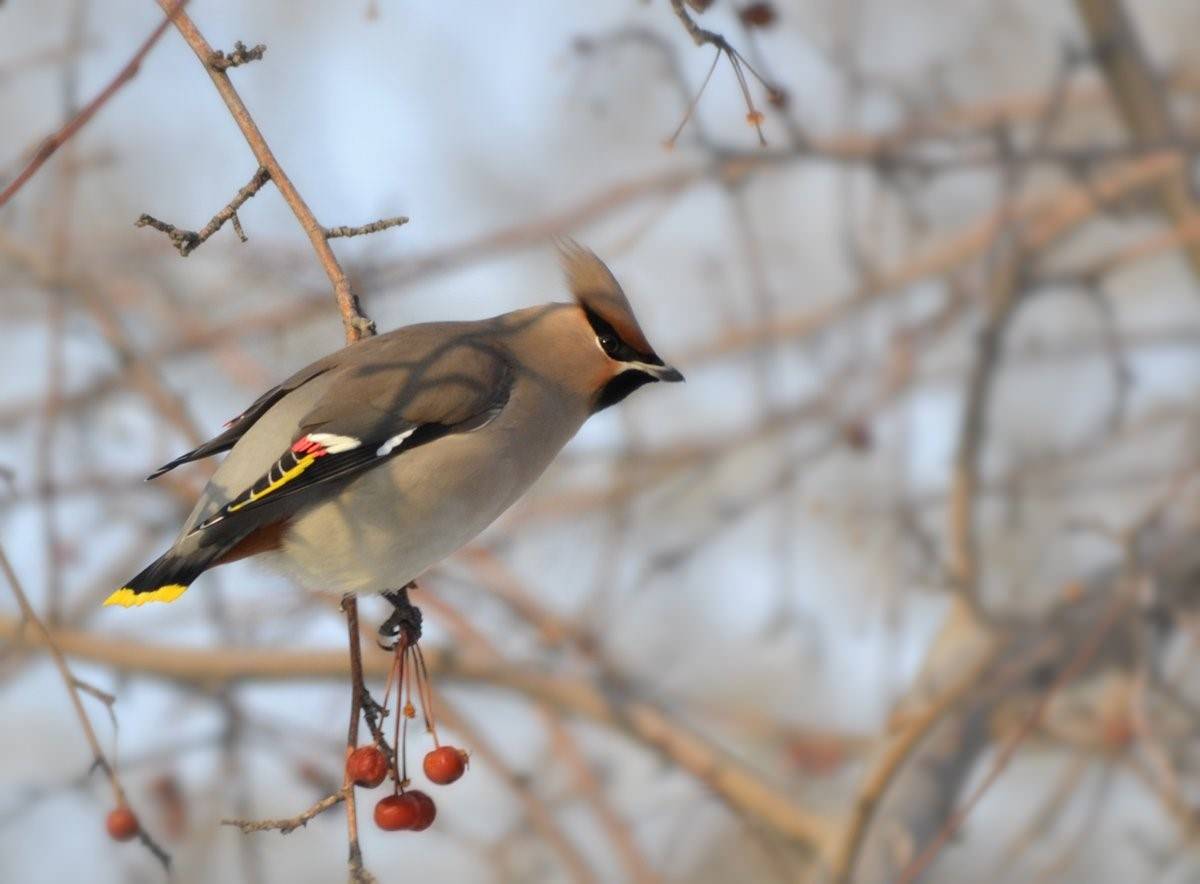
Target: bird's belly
[{"x": 392, "y": 523}]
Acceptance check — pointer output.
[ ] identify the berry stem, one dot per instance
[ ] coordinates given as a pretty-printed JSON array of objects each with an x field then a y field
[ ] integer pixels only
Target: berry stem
[
  {"x": 400, "y": 737},
  {"x": 391, "y": 678},
  {"x": 691, "y": 109},
  {"x": 424, "y": 682}
]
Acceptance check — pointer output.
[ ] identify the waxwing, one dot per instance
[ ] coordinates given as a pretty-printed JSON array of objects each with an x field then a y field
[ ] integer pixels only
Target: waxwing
[{"x": 364, "y": 469}]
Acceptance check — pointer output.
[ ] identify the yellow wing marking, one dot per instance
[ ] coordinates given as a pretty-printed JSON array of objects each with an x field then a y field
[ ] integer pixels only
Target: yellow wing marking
[
  {"x": 301, "y": 465},
  {"x": 130, "y": 598}
]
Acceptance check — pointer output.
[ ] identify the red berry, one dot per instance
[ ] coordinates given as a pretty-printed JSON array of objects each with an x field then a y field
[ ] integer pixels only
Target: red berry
[
  {"x": 445, "y": 764},
  {"x": 757, "y": 15},
  {"x": 367, "y": 767},
  {"x": 122, "y": 824},
  {"x": 396, "y": 812},
  {"x": 412, "y": 810},
  {"x": 426, "y": 809}
]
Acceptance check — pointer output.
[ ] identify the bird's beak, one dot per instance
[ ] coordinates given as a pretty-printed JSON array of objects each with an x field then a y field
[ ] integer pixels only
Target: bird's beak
[{"x": 662, "y": 372}]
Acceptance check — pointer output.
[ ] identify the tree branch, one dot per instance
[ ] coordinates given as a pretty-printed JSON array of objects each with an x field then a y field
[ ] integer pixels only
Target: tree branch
[
  {"x": 737, "y": 785},
  {"x": 356, "y": 323},
  {"x": 99, "y": 759},
  {"x": 357, "y": 689},
  {"x": 284, "y": 826},
  {"x": 373, "y": 227},
  {"x": 357, "y": 326},
  {"x": 52, "y": 143},
  {"x": 187, "y": 241},
  {"x": 1139, "y": 96}
]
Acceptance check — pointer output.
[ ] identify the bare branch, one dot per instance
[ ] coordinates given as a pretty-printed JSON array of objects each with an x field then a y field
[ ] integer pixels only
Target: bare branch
[
  {"x": 99, "y": 759},
  {"x": 1121, "y": 602},
  {"x": 737, "y": 785},
  {"x": 350, "y": 607},
  {"x": 1139, "y": 96},
  {"x": 284, "y": 826},
  {"x": 373, "y": 227},
  {"x": 702, "y": 36},
  {"x": 53, "y": 142},
  {"x": 187, "y": 241},
  {"x": 356, "y": 323}
]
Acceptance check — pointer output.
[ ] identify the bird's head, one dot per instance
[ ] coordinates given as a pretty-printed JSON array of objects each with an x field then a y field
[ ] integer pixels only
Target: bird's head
[{"x": 629, "y": 361}]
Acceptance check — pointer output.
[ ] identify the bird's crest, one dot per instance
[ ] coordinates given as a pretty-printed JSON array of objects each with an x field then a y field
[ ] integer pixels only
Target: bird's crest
[{"x": 597, "y": 290}]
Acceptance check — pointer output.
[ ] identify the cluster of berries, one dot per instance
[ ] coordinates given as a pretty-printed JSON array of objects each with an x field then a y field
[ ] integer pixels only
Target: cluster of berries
[
  {"x": 412, "y": 809},
  {"x": 368, "y": 766}
]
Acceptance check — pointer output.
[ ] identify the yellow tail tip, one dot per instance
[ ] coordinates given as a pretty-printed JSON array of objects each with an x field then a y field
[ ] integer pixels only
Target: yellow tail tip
[{"x": 131, "y": 598}]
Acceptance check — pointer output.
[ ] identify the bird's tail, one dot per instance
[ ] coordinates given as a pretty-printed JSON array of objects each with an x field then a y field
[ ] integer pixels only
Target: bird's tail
[{"x": 167, "y": 577}]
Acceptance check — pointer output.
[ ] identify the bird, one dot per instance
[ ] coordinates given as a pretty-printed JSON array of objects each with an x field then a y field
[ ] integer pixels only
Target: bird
[{"x": 364, "y": 469}]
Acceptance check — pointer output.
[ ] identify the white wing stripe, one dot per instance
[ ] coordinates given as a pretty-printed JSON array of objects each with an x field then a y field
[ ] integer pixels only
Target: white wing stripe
[
  {"x": 333, "y": 443},
  {"x": 387, "y": 447}
]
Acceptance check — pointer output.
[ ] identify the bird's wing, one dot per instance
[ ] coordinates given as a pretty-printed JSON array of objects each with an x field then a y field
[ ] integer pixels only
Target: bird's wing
[
  {"x": 375, "y": 408},
  {"x": 237, "y": 427}
]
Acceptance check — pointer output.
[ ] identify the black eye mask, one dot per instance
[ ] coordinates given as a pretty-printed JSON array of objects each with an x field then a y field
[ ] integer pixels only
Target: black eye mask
[{"x": 612, "y": 344}]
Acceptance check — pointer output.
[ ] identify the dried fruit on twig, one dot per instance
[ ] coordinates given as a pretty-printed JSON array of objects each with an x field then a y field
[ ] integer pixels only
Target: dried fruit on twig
[
  {"x": 445, "y": 764},
  {"x": 426, "y": 809},
  {"x": 122, "y": 824},
  {"x": 367, "y": 767}
]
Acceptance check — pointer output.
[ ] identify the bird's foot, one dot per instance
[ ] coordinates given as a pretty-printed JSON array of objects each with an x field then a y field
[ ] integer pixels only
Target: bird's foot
[{"x": 404, "y": 624}]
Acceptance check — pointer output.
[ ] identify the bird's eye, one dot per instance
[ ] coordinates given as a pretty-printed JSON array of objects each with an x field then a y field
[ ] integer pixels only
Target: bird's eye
[{"x": 609, "y": 342}]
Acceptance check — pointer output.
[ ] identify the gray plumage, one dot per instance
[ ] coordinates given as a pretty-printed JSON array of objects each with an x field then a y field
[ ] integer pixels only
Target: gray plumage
[{"x": 367, "y": 467}]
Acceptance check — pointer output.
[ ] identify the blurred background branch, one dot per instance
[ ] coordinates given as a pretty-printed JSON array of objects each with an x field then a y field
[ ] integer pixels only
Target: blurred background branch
[{"x": 900, "y": 586}]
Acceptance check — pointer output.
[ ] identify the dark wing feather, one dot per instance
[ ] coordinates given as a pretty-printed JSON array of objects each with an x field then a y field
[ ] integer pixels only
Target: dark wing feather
[
  {"x": 308, "y": 464},
  {"x": 345, "y": 435},
  {"x": 236, "y": 428}
]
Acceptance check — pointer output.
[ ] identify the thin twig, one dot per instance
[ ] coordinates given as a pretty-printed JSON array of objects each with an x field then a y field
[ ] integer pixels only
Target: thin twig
[
  {"x": 357, "y": 324},
  {"x": 1002, "y": 297},
  {"x": 187, "y": 241},
  {"x": 52, "y": 143},
  {"x": 350, "y": 606},
  {"x": 702, "y": 36},
  {"x": 99, "y": 759},
  {"x": 636, "y": 867},
  {"x": 292, "y": 823},
  {"x": 373, "y": 714},
  {"x": 1143, "y": 104},
  {"x": 893, "y": 757},
  {"x": 575, "y": 863},
  {"x": 729, "y": 778},
  {"x": 66, "y": 189},
  {"x": 373, "y": 227},
  {"x": 1123, "y": 600}
]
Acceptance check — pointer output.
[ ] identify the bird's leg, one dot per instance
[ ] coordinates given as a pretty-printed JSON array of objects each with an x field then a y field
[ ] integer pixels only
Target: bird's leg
[{"x": 404, "y": 622}]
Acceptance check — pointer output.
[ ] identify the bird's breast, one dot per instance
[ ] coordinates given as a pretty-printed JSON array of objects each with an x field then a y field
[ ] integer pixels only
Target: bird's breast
[{"x": 393, "y": 522}]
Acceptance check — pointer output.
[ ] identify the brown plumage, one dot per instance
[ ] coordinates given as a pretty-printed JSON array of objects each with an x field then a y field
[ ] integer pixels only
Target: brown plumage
[
  {"x": 596, "y": 289},
  {"x": 268, "y": 538}
]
